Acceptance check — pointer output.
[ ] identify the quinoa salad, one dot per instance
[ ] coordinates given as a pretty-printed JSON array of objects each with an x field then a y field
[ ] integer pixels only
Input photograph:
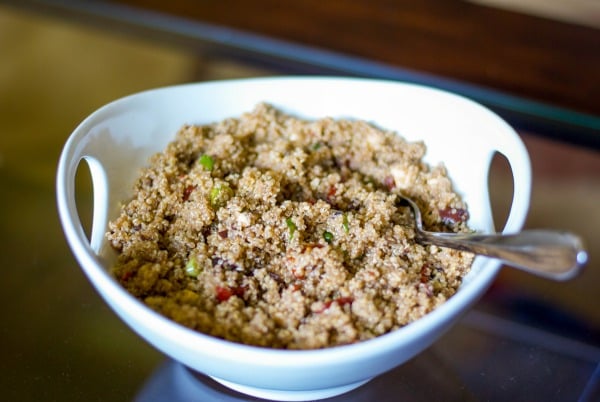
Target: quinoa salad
[{"x": 276, "y": 231}]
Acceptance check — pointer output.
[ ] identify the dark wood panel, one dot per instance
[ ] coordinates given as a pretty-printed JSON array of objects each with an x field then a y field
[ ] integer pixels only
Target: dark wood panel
[{"x": 544, "y": 60}]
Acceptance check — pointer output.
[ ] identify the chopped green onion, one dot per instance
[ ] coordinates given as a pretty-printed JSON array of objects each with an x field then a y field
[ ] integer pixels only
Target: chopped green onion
[
  {"x": 192, "y": 268},
  {"x": 214, "y": 195},
  {"x": 328, "y": 236},
  {"x": 316, "y": 146},
  {"x": 207, "y": 162},
  {"x": 345, "y": 223},
  {"x": 220, "y": 194},
  {"x": 291, "y": 226}
]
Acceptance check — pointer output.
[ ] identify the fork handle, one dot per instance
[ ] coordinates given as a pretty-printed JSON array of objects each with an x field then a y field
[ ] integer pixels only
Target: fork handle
[{"x": 550, "y": 254}]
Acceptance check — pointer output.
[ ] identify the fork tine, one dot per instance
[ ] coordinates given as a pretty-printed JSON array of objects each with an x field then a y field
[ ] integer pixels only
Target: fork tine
[{"x": 415, "y": 208}]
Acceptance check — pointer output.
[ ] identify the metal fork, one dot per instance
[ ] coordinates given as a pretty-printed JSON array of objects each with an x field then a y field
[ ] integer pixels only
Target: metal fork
[{"x": 551, "y": 254}]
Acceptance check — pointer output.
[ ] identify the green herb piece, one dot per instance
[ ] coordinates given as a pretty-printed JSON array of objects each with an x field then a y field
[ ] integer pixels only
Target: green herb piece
[
  {"x": 207, "y": 162},
  {"x": 291, "y": 227},
  {"x": 328, "y": 236},
  {"x": 192, "y": 268},
  {"x": 215, "y": 192},
  {"x": 220, "y": 194},
  {"x": 345, "y": 223},
  {"x": 316, "y": 146}
]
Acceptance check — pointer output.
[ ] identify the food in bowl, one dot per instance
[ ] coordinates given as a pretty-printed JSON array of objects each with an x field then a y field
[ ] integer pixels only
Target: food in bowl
[{"x": 270, "y": 230}]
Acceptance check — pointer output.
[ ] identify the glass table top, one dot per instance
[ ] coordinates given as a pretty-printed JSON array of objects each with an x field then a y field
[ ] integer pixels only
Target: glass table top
[{"x": 485, "y": 357}]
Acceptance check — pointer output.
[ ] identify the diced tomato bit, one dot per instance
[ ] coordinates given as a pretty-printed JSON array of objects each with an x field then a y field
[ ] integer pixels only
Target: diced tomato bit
[
  {"x": 342, "y": 301},
  {"x": 127, "y": 275},
  {"x": 223, "y": 234},
  {"x": 389, "y": 182},
  {"x": 239, "y": 291},
  {"x": 223, "y": 293},
  {"x": 453, "y": 215},
  {"x": 331, "y": 193},
  {"x": 187, "y": 192},
  {"x": 425, "y": 272},
  {"x": 326, "y": 305}
]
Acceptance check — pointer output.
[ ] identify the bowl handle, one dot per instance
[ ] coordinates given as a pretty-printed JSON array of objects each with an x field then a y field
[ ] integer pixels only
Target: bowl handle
[
  {"x": 66, "y": 199},
  {"x": 518, "y": 159},
  {"x": 100, "y": 199}
]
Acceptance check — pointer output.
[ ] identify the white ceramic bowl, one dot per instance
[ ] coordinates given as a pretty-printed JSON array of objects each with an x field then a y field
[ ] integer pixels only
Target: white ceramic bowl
[{"x": 117, "y": 139}]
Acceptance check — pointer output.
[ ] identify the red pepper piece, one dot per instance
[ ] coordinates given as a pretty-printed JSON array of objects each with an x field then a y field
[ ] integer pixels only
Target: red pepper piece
[
  {"x": 223, "y": 293},
  {"x": 187, "y": 192},
  {"x": 389, "y": 183},
  {"x": 342, "y": 301},
  {"x": 127, "y": 275},
  {"x": 326, "y": 305},
  {"x": 453, "y": 215},
  {"x": 425, "y": 274},
  {"x": 331, "y": 193},
  {"x": 239, "y": 291}
]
